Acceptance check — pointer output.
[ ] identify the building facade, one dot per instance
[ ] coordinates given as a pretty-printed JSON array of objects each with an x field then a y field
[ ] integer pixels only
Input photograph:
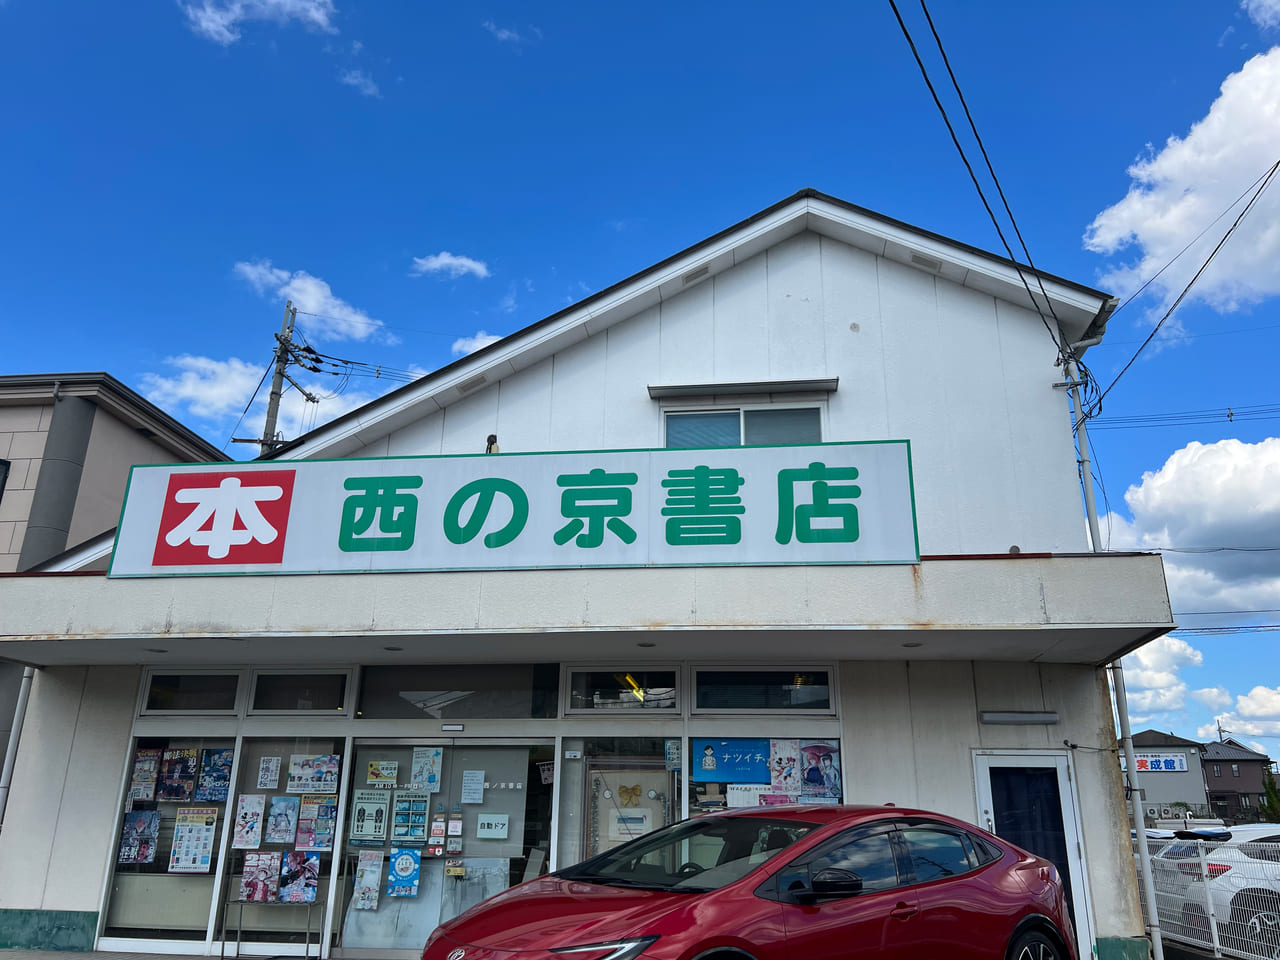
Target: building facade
[
  {"x": 1233, "y": 776},
  {"x": 791, "y": 514},
  {"x": 1169, "y": 777}
]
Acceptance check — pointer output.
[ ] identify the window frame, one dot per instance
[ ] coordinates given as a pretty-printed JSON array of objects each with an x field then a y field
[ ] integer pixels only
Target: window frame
[
  {"x": 567, "y": 670},
  {"x": 862, "y": 831},
  {"x": 348, "y": 696},
  {"x": 1217, "y": 769},
  {"x": 5, "y": 466},
  {"x": 967, "y": 842},
  {"x": 151, "y": 672},
  {"x": 675, "y": 408},
  {"x": 1235, "y": 769},
  {"x": 833, "y": 691}
]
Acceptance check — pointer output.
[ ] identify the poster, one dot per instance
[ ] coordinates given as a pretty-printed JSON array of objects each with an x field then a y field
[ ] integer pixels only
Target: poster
[
  {"x": 409, "y": 817},
  {"x": 820, "y": 763},
  {"x": 473, "y": 786},
  {"x": 735, "y": 760},
  {"x": 369, "y": 815},
  {"x": 424, "y": 774},
  {"x": 313, "y": 774},
  {"x": 784, "y": 766},
  {"x": 215, "y": 775},
  {"x": 193, "y": 834},
  {"x": 316, "y": 816},
  {"x": 368, "y": 881},
  {"x": 177, "y": 775},
  {"x": 146, "y": 767},
  {"x": 248, "y": 829},
  {"x": 629, "y": 824},
  {"x": 269, "y": 773},
  {"x": 746, "y": 794},
  {"x": 282, "y": 820},
  {"x": 299, "y": 875},
  {"x": 138, "y": 836},
  {"x": 383, "y": 771},
  {"x": 260, "y": 880},
  {"x": 402, "y": 875},
  {"x": 491, "y": 826}
]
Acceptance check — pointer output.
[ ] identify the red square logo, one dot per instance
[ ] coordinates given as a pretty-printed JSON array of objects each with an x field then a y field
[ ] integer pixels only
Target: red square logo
[{"x": 227, "y": 517}]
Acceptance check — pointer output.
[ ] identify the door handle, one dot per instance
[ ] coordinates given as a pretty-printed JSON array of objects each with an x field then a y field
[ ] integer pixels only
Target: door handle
[{"x": 903, "y": 910}]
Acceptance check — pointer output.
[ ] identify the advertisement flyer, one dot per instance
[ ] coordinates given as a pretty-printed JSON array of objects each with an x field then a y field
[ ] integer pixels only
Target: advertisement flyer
[
  {"x": 784, "y": 766},
  {"x": 402, "y": 877},
  {"x": 215, "y": 776},
  {"x": 138, "y": 836},
  {"x": 820, "y": 765},
  {"x": 146, "y": 767},
  {"x": 282, "y": 820},
  {"x": 269, "y": 773},
  {"x": 261, "y": 878},
  {"x": 410, "y": 816},
  {"x": 369, "y": 814},
  {"x": 382, "y": 771},
  {"x": 177, "y": 775},
  {"x": 735, "y": 760},
  {"x": 194, "y": 831},
  {"x": 313, "y": 774},
  {"x": 316, "y": 816},
  {"x": 299, "y": 876},
  {"x": 424, "y": 774},
  {"x": 473, "y": 786},
  {"x": 368, "y": 881},
  {"x": 248, "y": 829}
]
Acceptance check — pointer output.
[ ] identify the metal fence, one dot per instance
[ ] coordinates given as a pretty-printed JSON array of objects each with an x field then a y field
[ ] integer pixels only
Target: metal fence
[{"x": 1221, "y": 897}]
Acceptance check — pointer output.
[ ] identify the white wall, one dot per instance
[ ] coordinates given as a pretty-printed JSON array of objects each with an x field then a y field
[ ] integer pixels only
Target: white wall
[{"x": 965, "y": 377}]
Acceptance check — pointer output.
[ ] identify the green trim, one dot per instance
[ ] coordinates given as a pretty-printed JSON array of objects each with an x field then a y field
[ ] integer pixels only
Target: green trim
[
  {"x": 48, "y": 929},
  {"x": 1123, "y": 948}
]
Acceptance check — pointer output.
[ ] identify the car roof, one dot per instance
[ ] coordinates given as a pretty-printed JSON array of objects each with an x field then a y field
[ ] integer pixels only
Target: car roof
[{"x": 825, "y": 813}]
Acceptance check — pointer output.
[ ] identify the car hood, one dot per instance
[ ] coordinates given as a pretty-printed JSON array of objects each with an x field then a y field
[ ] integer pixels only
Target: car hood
[{"x": 555, "y": 912}]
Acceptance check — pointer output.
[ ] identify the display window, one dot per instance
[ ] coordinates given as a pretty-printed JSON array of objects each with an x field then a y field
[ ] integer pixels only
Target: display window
[
  {"x": 166, "y": 854},
  {"x": 727, "y": 772},
  {"x": 284, "y": 817},
  {"x": 434, "y": 828}
]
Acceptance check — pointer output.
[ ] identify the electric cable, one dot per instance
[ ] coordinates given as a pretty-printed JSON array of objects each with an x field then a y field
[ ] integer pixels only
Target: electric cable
[{"x": 245, "y": 411}]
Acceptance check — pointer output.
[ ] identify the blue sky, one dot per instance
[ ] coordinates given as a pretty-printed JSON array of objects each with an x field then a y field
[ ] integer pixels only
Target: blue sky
[{"x": 419, "y": 178}]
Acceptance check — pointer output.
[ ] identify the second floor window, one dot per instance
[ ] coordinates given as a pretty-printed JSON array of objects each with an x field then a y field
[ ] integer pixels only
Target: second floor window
[
  {"x": 1235, "y": 769},
  {"x": 738, "y": 428}
]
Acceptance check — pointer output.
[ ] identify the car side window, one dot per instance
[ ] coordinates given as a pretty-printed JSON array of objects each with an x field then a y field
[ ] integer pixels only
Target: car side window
[
  {"x": 870, "y": 857},
  {"x": 934, "y": 854}
]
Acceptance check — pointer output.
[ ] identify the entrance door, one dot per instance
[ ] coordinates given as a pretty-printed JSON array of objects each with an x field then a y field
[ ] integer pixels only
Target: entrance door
[{"x": 1029, "y": 799}]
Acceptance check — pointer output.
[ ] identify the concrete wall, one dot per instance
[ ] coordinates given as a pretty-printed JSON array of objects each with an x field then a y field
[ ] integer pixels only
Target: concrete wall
[
  {"x": 965, "y": 377},
  {"x": 23, "y": 431},
  {"x": 113, "y": 448}
]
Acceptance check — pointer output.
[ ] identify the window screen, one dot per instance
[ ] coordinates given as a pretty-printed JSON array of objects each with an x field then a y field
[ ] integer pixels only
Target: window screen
[
  {"x": 734, "y": 428},
  {"x": 687, "y": 430},
  {"x": 788, "y": 425}
]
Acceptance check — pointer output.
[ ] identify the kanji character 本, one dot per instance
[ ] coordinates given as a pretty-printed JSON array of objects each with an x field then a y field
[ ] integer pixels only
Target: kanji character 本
[
  {"x": 703, "y": 506},
  {"x": 383, "y": 498},
  {"x": 600, "y": 505},
  {"x": 224, "y": 503},
  {"x": 484, "y": 490},
  {"x": 845, "y": 530}
]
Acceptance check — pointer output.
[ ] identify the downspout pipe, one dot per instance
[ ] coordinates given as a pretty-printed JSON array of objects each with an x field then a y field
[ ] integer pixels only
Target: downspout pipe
[{"x": 15, "y": 735}]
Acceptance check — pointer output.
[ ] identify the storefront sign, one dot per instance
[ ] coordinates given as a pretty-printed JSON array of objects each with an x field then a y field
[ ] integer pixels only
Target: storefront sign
[
  {"x": 824, "y": 503},
  {"x": 1158, "y": 762}
]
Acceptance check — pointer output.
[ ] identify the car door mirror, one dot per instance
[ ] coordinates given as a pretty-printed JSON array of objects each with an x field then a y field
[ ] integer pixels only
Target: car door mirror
[{"x": 830, "y": 882}]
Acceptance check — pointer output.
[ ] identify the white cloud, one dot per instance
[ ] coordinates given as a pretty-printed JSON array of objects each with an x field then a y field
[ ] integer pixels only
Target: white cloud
[
  {"x": 1235, "y": 726},
  {"x": 220, "y": 20},
  {"x": 508, "y": 303},
  {"x": 1215, "y": 698},
  {"x": 1224, "y": 494},
  {"x": 513, "y": 37},
  {"x": 464, "y": 345},
  {"x": 334, "y": 318},
  {"x": 1265, "y": 13},
  {"x": 448, "y": 264},
  {"x": 361, "y": 81},
  {"x": 1151, "y": 677},
  {"x": 1261, "y": 702},
  {"x": 1179, "y": 189}
]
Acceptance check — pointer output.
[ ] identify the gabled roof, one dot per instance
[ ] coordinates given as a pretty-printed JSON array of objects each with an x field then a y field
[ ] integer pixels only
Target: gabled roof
[
  {"x": 1082, "y": 312},
  {"x": 1214, "y": 750},
  {"x": 1154, "y": 738}
]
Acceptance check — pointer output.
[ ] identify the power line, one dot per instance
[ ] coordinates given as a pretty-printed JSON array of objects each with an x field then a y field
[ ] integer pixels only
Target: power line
[{"x": 1231, "y": 414}]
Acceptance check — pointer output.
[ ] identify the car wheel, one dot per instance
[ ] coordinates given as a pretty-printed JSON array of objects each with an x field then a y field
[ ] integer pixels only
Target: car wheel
[
  {"x": 1034, "y": 945},
  {"x": 1262, "y": 929}
]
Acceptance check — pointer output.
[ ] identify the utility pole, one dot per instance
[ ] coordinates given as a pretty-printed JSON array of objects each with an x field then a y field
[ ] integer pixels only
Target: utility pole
[{"x": 284, "y": 340}]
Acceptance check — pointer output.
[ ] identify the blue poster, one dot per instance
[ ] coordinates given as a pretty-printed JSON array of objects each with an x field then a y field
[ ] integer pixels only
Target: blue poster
[
  {"x": 402, "y": 877},
  {"x": 735, "y": 760}
]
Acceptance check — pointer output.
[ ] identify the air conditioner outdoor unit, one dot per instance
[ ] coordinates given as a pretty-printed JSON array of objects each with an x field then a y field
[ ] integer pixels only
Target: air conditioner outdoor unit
[
  {"x": 1166, "y": 812},
  {"x": 1152, "y": 811}
]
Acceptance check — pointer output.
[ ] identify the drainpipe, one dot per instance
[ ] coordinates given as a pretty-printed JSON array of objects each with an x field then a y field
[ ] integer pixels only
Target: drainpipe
[
  {"x": 11, "y": 753},
  {"x": 1117, "y": 669}
]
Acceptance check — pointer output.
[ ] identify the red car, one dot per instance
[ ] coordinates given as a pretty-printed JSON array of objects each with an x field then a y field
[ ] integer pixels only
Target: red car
[{"x": 780, "y": 883}]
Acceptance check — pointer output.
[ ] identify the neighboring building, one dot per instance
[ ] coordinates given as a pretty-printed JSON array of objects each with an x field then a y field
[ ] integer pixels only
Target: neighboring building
[
  {"x": 1169, "y": 776},
  {"x": 1234, "y": 775},
  {"x": 642, "y": 609}
]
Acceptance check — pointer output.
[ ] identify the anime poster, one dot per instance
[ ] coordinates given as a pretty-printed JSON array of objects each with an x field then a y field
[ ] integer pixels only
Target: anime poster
[
  {"x": 282, "y": 820},
  {"x": 368, "y": 880},
  {"x": 313, "y": 774},
  {"x": 215, "y": 776},
  {"x": 820, "y": 762},
  {"x": 260, "y": 880},
  {"x": 146, "y": 767},
  {"x": 784, "y": 766},
  {"x": 299, "y": 875},
  {"x": 369, "y": 815},
  {"x": 194, "y": 831},
  {"x": 248, "y": 830},
  {"x": 424, "y": 774},
  {"x": 383, "y": 772},
  {"x": 316, "y": 816},
  {"x": 177, "y": 775},
  {"x": 269, "y": 773},
  {"x": 402, "y": 876},
  {"x": 138, "y": 836},
  {"x": 409, "y": 817}
]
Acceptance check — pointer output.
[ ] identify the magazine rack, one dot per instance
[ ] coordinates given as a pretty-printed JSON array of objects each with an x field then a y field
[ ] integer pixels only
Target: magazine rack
[{"x": 306, "y": 944}]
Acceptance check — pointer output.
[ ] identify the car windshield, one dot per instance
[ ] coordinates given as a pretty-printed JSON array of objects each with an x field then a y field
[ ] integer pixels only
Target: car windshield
[{"x": 693, "y": 856}]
